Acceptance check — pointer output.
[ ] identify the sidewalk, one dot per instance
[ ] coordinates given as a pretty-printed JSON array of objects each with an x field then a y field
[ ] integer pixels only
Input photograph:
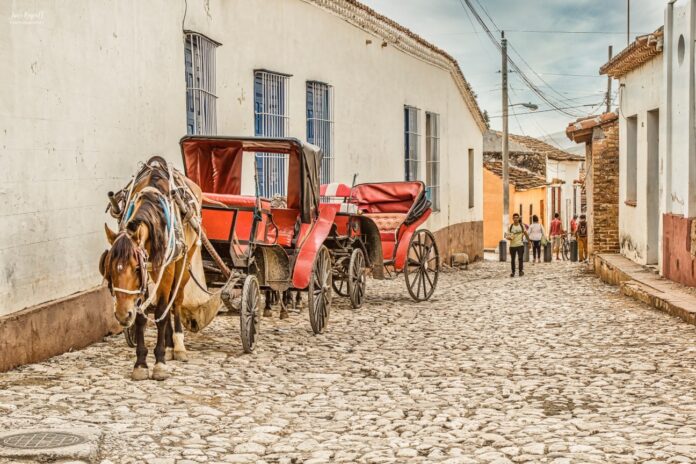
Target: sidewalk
[{"x": 646, "y": 286}]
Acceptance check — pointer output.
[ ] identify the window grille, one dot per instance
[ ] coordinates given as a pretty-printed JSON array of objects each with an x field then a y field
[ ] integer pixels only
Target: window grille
[
  {"x": 432, "y": 158},
  {"x": 320, "y": 125},
  {"x": 199, "y": 60},
  {"x": 412, "y": 142},
  {"x": 271, "y": 120}
]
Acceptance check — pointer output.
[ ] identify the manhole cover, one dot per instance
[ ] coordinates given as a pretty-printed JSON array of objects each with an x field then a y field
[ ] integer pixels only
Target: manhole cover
[{"x": 41, "y": 440}]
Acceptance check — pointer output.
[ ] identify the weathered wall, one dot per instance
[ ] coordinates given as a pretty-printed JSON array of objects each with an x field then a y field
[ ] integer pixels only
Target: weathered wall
[
  {"x": 641, "y": 94},
  {"x": 678, "y": 263},
  {"x": 92, "y": 89},
  {"x": 602, "y": 188},
  {"x": 466, "y": 237}
]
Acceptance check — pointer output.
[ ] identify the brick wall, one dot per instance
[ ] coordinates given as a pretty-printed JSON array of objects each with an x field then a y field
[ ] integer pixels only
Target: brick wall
[{"x": 602, "y": 190}]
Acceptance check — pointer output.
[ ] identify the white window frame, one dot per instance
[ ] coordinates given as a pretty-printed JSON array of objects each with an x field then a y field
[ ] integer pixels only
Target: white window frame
[
  {"x": 432, "y": 158},
  {"x": 201, "y": 101},
  {"x": 411, "y": 143},
  {"x": 321, "y": 125}
]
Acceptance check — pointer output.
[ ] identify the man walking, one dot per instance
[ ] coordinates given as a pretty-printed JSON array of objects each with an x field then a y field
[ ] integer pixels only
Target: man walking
[
  {"x": 581, "y": 237},
  {"x": 556, "y": 234},
  {"x": 516, "y": 235}
]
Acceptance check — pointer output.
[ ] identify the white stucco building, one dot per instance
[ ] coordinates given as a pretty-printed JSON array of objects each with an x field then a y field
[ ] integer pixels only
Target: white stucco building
[
  {"x": 639, "y": 69},
  {"x": 90, "y": 90}
]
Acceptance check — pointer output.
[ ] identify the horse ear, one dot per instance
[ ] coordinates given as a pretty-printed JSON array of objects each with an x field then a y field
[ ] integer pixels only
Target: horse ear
[
  {"x": 102, "y": 263},
  {"x": 110, "y": 234}
]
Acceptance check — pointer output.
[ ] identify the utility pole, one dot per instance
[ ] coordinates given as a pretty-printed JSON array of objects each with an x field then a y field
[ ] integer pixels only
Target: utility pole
[
  {"x": 628, "y": 22},
  {"x": 609, "y": 82},
  {"x": 502, "y": 246}
]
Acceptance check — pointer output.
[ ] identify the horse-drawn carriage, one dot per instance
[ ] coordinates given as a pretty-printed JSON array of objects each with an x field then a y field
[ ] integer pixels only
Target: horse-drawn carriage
[{"x": 377, "y": 228}]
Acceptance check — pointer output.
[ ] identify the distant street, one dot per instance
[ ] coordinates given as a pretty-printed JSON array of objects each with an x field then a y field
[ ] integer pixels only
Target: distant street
[{"x": 552, "y": 367}]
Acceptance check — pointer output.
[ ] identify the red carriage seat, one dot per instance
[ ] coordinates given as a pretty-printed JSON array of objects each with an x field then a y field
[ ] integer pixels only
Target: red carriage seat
[{"x": 238, "y": 201}]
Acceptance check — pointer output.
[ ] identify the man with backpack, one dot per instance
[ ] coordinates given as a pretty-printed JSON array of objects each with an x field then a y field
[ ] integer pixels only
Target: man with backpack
[
  {"x": 581, "y": 237},
  {"x": 516, "y": 235}
]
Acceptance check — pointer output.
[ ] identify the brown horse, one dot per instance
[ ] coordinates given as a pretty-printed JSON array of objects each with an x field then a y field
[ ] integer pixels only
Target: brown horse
[{"x": 149, "y": 260}]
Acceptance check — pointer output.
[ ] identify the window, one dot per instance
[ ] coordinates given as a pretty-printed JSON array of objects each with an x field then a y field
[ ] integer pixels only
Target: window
[
  {"x": 271, "y": 120},
  {"x": 531, "y": 213},
  {"x": 412, "y": 142},
  {"x": 432, "y": 158},
  {"x": 320, "y": 125},
  {"x": 472, "y": 171},
  {"x": 631, "y": 159},
  {"x": 199, "y": 61}
]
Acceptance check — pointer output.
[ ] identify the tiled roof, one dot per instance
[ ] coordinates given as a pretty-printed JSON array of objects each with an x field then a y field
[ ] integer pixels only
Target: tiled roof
[
  {"x": 400, "y": 37},
  {"x": 581, "y": 129},
  {"x": 525, "y": 144},
  {"x": 522, "y": 179},
  {"x": 642, "y": 50}
]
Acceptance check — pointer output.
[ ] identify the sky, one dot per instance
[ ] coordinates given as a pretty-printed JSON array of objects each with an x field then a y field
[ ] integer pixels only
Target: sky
[{"x": 567, "y": 63}]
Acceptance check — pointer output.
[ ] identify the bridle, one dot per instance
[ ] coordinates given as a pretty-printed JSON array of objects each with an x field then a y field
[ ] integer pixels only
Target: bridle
[{"x": 141, "y": 256}]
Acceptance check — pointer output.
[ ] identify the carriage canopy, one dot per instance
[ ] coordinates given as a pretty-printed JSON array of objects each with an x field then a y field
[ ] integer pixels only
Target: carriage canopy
[{"x": 215, "y": 164}]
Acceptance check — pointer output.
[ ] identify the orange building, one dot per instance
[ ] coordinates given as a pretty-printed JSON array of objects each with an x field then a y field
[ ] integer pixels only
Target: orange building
[{"x": 527, "y": 195}]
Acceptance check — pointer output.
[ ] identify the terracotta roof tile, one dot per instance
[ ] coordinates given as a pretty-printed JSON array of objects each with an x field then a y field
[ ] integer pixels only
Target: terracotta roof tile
[
  {"x": 522, "y": 179},
  {"x": 579, "y": 130},
  {"x": 640, "y": 51},
  {"x": 518, "y": 144}
]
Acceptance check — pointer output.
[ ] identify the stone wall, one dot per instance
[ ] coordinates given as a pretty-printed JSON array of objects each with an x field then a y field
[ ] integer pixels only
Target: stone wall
[
  {"x": 465, "y": 237},
  {"x": 602, "y": 190}
]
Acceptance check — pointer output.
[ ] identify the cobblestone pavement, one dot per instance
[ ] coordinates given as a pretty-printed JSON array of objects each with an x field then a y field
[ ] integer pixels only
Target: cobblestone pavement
[{"x": 551, "y": 367}]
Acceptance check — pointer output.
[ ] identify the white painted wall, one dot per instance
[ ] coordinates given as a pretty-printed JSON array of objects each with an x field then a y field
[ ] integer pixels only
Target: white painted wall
[
  {"x": 640, "y": 93},
  {"x": 93, "y": 88},
  {"x": 568, "y": 172}
]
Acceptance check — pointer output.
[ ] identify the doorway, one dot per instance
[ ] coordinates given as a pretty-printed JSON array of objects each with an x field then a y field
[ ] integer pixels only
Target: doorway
[{"x": 653, "y": 193}]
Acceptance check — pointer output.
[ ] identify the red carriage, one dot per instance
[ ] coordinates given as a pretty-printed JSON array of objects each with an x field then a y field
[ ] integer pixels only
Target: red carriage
[
  {"x": 253, "y": 245},
  {"x": 377, "y": 227}
]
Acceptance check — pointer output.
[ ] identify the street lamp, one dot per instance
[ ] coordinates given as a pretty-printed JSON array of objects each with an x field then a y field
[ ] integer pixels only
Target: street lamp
[{"x": 529, "y": 106}]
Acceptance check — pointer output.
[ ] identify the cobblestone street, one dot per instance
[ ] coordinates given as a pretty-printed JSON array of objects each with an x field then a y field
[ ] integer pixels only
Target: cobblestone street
[{"x": 552, "y": 367}]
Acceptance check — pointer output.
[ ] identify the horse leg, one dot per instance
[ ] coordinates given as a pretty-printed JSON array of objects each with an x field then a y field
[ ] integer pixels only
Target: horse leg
[
  {"x": 160, "y": 371},
  {"x": 298, "y": 300},
  {"x": 179, "y": 348},
  {"x": 169, "y": 339},
  {"x": 284, "y": 300},
  {"x": 140, "y": 371},
  {"x": 267, "y": 308}
]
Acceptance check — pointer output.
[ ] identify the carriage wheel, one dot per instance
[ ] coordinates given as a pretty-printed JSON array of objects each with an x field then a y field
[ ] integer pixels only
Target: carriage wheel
[
  {"x": 249, "y": 313},
  {"x": 340, "y": 286},
  {"x": 319, "y": 291},
  {"x": 422, "y": 265},
  {"x": 565, "y": 249},
  {"x": 129, "y": 334},
  {"x": 356, "y": 278}
]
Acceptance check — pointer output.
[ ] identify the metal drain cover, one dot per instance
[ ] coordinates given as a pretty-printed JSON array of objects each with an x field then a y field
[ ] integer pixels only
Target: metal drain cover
[
  {"x": 41, "y": 440},
  {"x": 51, "y": 444}
]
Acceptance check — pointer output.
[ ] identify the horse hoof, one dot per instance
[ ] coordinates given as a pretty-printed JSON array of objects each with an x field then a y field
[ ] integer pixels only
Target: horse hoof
[
  {"x": 180, "y": 356},
  {"x": 267, "y": 313},
  {"x": 168, "y": 354},
  {"x": 284, "y": 315},
  {"x": 160, "y": 372},
  {"x": 140, "y": 373}
]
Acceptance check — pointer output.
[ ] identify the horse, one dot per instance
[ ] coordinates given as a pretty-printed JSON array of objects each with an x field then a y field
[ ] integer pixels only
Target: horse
[{"x": 149, "y": 260}]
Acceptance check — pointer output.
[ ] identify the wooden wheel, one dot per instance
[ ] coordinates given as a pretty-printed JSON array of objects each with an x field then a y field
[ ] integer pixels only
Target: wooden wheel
[
  {"x": 319, "y": 291},
  {"x": 422, "y": 265},
  {"x": 249, "y": 313},
  {"x": 356, "y": 278},
  {"x": 129, "y": 334},
  {"x": 340, "y": 286}
]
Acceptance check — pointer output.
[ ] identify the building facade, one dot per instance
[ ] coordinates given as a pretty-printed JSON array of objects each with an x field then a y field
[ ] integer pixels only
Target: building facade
[
  {"x": 638, "y": 69},
  {"x": 91, "y": 91}
]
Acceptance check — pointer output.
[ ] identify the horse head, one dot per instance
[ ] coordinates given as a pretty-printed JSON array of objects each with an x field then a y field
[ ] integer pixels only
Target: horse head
[{"x": 124, "y": 267}]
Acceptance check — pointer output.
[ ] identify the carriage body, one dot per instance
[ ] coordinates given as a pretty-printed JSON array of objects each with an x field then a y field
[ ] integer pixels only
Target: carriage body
[
  {"x": 389, "y": 215},
  {"x": 280, "y": 246}
]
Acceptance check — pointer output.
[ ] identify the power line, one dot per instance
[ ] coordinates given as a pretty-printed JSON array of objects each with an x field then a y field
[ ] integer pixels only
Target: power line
[
  {"x": 520, "y": 31},
  {"x": 552, "y": 109}
]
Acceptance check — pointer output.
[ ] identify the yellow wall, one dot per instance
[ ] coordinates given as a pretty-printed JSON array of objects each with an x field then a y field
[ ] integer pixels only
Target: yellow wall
[{"x": 493, "y": 207}]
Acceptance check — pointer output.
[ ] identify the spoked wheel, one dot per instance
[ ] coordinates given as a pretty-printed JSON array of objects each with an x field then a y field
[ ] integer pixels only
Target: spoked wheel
[
  {"x": 319, "y": 291},
  {"x": 565, "y": 249},
  {"x": 129, "y": 334},
  {"x": 356, "y": 278},
  {"x": 422, "y": 265},
  {"x": 249, "y": 313},
  {"x": 340, "y": 286}
]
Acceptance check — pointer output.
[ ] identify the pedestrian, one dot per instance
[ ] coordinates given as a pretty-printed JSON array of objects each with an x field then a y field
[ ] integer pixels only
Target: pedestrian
[
  {"x": 574, "y": 224},
  {"x": 556, "y": 233},
  {"x": 536, "y": 235},
  {"x": 581, "y": 237},
  {"x": 516, "y": 234}
]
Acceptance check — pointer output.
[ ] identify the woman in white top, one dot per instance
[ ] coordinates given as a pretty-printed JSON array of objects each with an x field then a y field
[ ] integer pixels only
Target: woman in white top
[{"x": 536, "y": 234}]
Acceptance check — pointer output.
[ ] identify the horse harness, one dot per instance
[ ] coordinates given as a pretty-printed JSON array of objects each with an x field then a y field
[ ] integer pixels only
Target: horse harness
[{"x": 173, "y": 205}]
